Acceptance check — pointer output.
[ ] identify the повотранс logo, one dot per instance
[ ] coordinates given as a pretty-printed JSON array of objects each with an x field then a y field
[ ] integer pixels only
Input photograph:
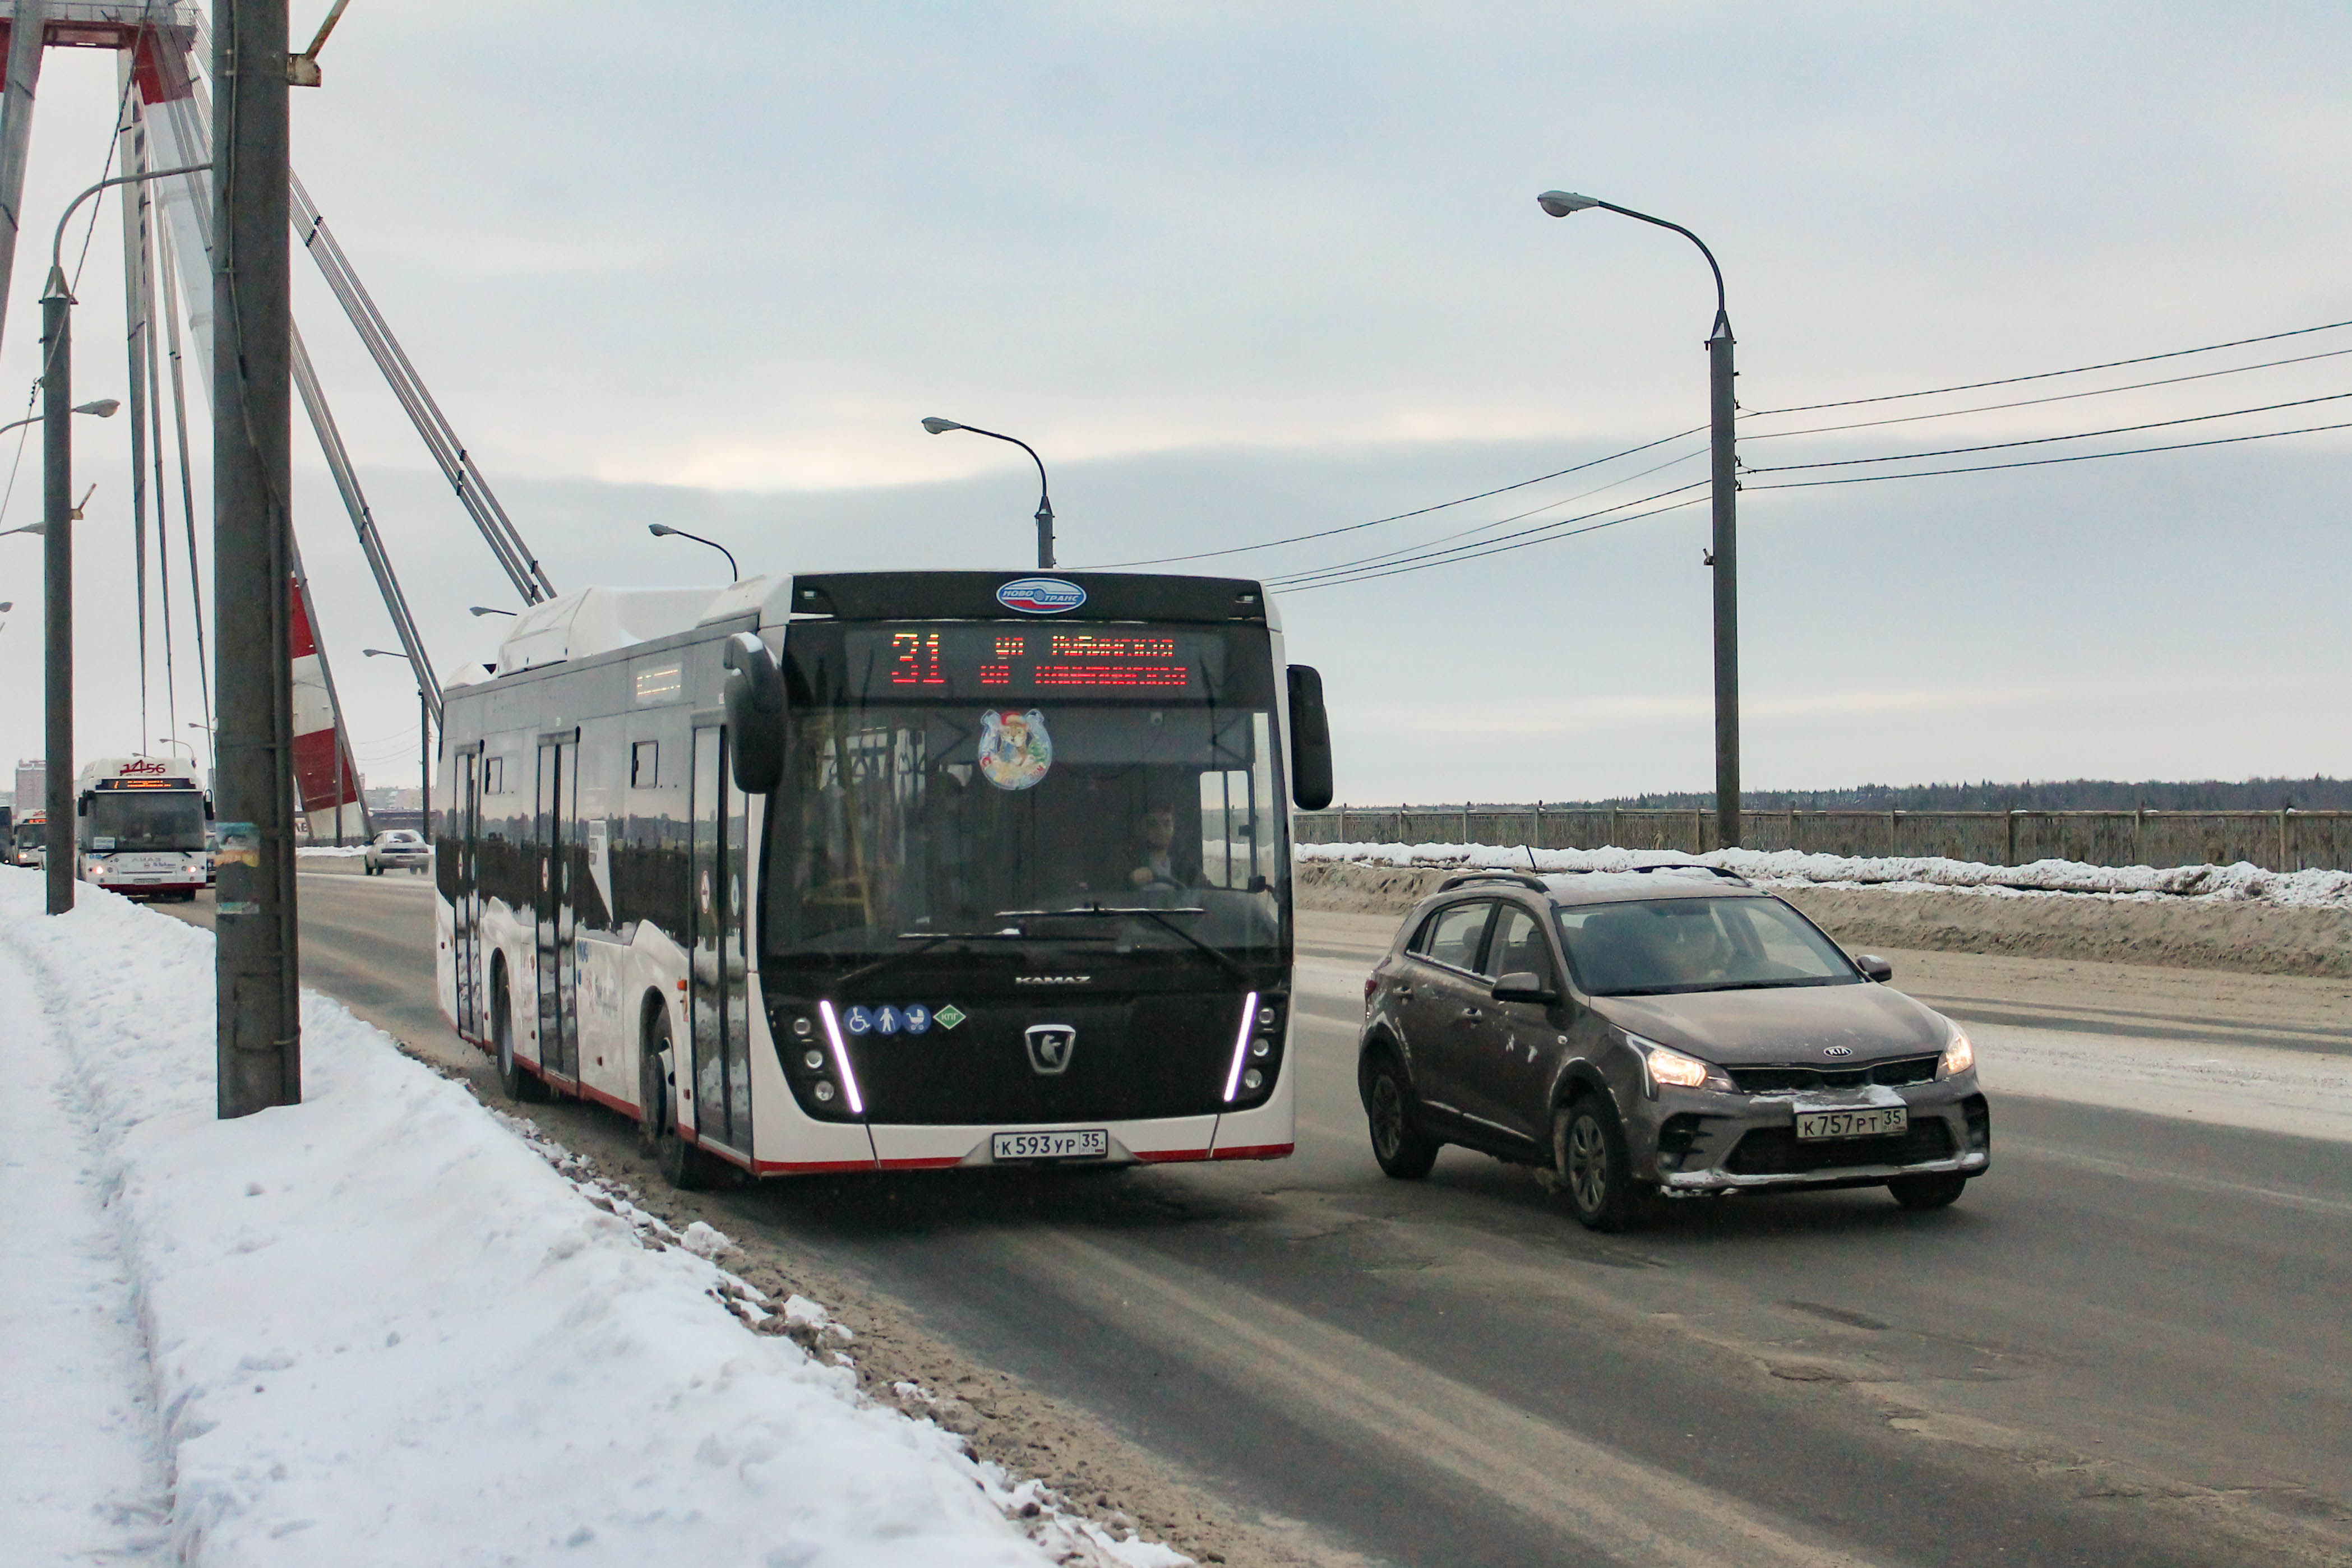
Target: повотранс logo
[{"x": 1041, "y": 595}]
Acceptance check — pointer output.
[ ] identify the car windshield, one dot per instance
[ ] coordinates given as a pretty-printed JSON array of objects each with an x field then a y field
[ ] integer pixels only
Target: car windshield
[
  {"x": 130, "y": 819},
  {"x": 1658, "y": 947},
  {"x": 1019, "y": 810}
]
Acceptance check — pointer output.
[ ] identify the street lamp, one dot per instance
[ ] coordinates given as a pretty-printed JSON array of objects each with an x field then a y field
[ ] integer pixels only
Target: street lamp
[
  {"x": 175, "y": 740},
  {"x": 486, "y": 610},
  {"x": 938, "y": 426},
  {"x": 663, "y": 531},
  {"x": 97, "y": 408},
  {"x": 1721, "y": 410},
  {"x": 424, "y": 731},
  {"x": 56, "y": 539}
]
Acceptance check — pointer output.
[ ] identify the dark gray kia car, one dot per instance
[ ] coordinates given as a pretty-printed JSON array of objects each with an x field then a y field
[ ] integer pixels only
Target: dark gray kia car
[{"x": 1668, "y": 1030}]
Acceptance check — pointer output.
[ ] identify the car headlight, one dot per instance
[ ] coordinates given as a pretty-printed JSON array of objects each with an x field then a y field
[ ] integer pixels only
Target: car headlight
[
  {"x": 1664, "y": 1064},
  {"x": 1958, "y": 1056}
]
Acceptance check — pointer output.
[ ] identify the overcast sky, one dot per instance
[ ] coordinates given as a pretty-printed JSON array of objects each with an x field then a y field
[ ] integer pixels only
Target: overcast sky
[{"x": 1246, "y": 272}]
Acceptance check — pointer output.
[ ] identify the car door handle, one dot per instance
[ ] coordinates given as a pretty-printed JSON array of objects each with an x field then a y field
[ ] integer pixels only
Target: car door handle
[
  {"x": 1402, "y": 993},
  {"x": 1472, "y": 1013}
]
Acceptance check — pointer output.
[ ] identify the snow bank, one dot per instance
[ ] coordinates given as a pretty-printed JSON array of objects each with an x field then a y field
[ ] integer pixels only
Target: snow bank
[
  {"x": 2241, "y": 882},
  {"x": 384, "y": 1329}
]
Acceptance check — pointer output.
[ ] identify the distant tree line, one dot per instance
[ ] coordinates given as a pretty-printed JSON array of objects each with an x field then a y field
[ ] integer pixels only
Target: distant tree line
[{"x": 2317, "y": 793}]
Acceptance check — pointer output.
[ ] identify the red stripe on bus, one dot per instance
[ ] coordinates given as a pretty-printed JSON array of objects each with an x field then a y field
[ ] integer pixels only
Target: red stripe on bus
[
  {"x": 1256, "y": 1152},
  {"x": 927, "y": 1162},
  {"x": 810, "y": 1167},
  {"x": 1161, "y": 1156}
]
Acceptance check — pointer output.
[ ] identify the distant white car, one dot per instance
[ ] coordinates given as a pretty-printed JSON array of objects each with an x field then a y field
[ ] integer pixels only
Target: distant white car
[{"x": 397, "y": 847}]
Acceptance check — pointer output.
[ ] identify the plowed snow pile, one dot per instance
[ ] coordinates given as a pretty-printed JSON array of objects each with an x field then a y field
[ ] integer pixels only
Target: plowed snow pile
[
  {"x": 2241, "y": 882},
  {"x": 382, "y": 1329}
]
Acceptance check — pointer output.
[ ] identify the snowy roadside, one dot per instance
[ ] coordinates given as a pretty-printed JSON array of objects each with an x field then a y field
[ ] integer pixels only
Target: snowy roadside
[
  {"x": 382, "y": 1328},
  {"x": 2239, "y": 884}
]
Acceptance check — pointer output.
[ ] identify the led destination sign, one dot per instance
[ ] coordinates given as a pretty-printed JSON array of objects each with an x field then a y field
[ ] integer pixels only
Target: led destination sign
[{"x": 960, "y": 661}]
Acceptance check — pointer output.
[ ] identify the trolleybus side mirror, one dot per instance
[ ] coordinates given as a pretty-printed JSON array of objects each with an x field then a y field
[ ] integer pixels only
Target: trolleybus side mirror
[
  {"x": 1310, "y": 740},
  {"x": 754, "y": 699}
]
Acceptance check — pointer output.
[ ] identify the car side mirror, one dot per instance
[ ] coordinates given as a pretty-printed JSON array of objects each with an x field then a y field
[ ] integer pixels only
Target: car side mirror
[
  {"x": 1310, "y": 740},
  {"x": 1523, "y": 987},
  {"x": 1873, "y": 967},
  {"x": 754, "y": 699}
]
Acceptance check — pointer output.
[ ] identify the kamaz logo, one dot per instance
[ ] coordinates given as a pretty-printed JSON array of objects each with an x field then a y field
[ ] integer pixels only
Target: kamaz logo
[
  {"x": 1050, "y": 1048},
  {"x": 1052, "y": 979}
]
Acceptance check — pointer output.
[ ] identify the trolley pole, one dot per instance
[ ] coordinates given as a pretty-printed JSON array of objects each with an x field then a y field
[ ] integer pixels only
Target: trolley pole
[
  {"x": 57, "y": 587},
  {"x": 259, "y": 1042}
]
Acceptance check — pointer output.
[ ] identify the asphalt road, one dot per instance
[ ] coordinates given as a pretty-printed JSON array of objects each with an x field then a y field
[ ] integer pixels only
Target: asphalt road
[{"x": 2128, "y": 1345}]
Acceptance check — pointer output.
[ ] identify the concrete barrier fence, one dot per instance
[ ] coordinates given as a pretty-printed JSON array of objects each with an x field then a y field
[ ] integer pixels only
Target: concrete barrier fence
[{"x": 2285, "y": 839}]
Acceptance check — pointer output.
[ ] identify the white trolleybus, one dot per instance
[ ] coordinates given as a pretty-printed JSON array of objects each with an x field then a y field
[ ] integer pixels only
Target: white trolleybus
[
  {"x": 140, "y": 826},
  {"x": 887, "y": 870}
]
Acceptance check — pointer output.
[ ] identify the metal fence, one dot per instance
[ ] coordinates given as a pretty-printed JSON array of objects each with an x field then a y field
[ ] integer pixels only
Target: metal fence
[{"x": 2276, "y": 840}]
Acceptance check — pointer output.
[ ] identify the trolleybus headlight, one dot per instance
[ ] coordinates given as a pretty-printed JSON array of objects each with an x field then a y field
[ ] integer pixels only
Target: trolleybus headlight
[
  {"x": 802, "y": 1027},
  {"x": 812, "y": 1060},
  {"x": 823, "y": 1089},
  {"x": 840, "y": 1060},
  {"x": 1253, "y": 1081},
  {"x": 1261, "y": 1046},
  {"x": 1240, "y": 1049},
  {"x": 1266, "y": 1018}
]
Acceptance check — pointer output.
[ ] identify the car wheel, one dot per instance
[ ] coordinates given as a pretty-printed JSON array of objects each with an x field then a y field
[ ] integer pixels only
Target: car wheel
[
  {"x": 1927, "y": 1191},
  {"x": 521, "y": 1086},
  {"x": 682, "y": 1166},
  {"x": 1588, "y": 1150},
  {"x": 1402, "y": 1149}
]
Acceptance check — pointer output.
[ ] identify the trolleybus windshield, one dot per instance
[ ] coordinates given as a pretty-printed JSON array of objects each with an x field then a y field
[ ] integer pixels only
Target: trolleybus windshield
[
  {"x": 146, "y": 820},
  {"x": 989, "y": 781}
]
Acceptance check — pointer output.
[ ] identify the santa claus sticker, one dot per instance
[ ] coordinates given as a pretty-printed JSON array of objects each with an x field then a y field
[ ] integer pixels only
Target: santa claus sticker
[{"x": 1014, "y": 749}]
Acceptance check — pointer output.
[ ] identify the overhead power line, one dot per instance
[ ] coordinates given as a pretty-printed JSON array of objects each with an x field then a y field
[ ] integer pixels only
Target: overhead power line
[
  {"x": 1401, "y": 516},
  {"x": 1501, "y": 549},
  {"x": 1482, "y": 546},
  {"x": 2045, "y": 462},
  {"x": 2046, "y": 440},
  {"x": 1425, "y": 545},
  {"x": 2036, "y": 401},
  {"x": 2048, "y": 375}
]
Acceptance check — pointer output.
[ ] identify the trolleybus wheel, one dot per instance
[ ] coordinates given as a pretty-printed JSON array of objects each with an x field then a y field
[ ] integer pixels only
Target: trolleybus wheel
[
  {"x": 683, "y": 1165},
  {"x": 521, "y": 1087}
]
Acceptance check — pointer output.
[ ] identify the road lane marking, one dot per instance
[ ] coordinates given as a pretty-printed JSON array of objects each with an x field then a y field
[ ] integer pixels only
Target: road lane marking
[
  {"x": 1623, "y": 1507},
  {"x": 2034, "y": 1148}
]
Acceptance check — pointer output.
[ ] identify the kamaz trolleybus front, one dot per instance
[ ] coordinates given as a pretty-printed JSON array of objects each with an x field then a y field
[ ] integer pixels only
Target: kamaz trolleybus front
[{"x": 973, "y": 869}]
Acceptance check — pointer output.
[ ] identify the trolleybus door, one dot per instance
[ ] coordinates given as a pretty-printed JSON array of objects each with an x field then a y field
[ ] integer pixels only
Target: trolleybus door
[
  {"x": 718, "y": 1008},
  {"x": 466, "y": 898},
  {"x": 557, "y": 833}
]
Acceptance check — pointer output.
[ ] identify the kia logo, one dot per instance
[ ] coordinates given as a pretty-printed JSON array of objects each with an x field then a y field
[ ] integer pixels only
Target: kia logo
[
  {"x": 1837, "y": 1050},
  {"x": 1050, "y": 1046}
]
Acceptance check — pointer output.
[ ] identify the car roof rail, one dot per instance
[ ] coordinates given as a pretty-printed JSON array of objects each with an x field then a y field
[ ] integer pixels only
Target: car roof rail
[
  {"x": 1695, "y": 866},
  {"x": 1523, "y": 879}
]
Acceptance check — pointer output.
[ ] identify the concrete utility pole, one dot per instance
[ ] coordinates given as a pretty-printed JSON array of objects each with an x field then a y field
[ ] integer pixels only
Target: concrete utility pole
[
  {"x": 56, "y": 585},
  {"x": 1722, "y": 412},
  {"x": 259, "y": 1042}
]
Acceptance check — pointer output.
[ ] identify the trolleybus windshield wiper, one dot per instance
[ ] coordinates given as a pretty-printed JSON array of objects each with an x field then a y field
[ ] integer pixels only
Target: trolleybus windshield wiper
[
  {"x": 926, "y": 941},
  {"x": 1158, "y": 917}
]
